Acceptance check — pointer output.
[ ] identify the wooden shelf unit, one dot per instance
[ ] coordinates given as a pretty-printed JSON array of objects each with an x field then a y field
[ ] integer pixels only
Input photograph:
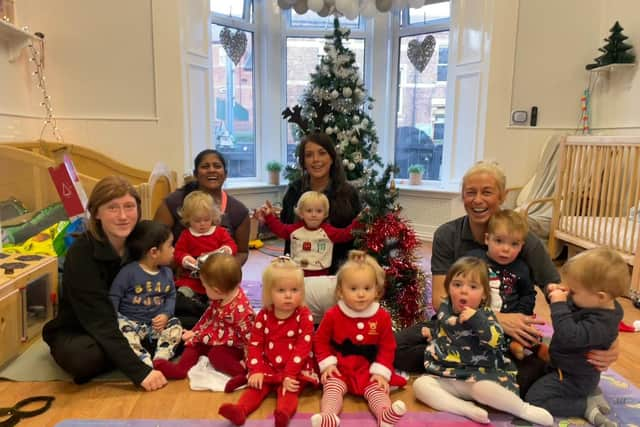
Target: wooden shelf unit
[{"x": 25, "y": 301}]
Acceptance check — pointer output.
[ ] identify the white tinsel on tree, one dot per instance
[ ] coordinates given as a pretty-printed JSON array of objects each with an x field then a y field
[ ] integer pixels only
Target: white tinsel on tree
[{"x": 336, "y": 103}]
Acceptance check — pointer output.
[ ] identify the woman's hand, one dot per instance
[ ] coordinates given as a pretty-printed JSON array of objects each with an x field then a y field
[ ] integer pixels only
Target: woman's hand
[
  {"x": 602, "y": 359},
  {"x": 159, "y": 322},
  {"x": 521, "y": 327},
  {"x": 153, "y": 381},
  {"x": 290, "y": 385},
  {"x": 256, "y": 380},
  {"x": 328, "y": 373},
  {"x": 187, "y": 336},
  {"x": 382, "y": 382}
]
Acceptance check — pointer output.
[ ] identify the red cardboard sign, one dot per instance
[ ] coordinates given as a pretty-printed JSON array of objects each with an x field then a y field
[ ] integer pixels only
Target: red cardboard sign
[{"x": 69, "y": 188}]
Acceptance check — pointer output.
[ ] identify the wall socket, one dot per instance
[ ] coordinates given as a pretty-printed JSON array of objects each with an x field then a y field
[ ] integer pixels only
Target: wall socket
[{"x": 519, "y": 118}]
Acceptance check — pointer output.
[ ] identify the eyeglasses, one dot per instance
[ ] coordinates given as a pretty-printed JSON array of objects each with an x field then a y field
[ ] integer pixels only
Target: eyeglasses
[{"x": 114, "y": 208}]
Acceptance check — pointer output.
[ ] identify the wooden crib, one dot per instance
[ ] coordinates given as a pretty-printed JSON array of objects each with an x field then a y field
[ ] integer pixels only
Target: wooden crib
[
  {"x": 597, "y": 197},
  {"x": 25, "y": 176}
]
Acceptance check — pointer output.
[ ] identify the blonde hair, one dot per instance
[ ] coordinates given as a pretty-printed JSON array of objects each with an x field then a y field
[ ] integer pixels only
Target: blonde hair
[
  {"x": 221, "y": 271},
  {"x": 490, "y": 168},
  {"x": 280, "y": 267},
  {"x": 599, "y": 270},
  {"x": 512, "y": 220},
  {"x": 198, "y": 201},
  {"x": 472, "y": 268},
  {"x": 358, "y": 260},
  {"x": 107, "y": 189},
  {"x": 312, "y": 197}
]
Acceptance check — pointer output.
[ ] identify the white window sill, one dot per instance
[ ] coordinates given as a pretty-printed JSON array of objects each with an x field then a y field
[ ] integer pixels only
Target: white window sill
[
  {"x": 436, "y": 187},
  {"x": 432, "y": 187},
  {"x": 238, "y": 186}
]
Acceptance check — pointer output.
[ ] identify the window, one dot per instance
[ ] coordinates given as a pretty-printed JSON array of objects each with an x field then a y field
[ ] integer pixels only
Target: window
[
  {"x": 239, "y": 9},
  {"x": 443, "y": 58},
  {"x": 421, "y": 95},
  {"x": 304, "y": 47},
  {"x": 234, "y": 124}
]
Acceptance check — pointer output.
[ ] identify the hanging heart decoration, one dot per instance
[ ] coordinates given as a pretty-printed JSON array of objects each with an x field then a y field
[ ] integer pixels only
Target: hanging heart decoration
[
  {"x": 235, "y": 45},
  {"x": 420, "y": 53}
]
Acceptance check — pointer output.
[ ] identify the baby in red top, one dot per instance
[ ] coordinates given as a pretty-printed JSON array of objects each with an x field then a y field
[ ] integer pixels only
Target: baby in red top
[
  {"x": 355, "y": 346},
  {"x": 279, "y": 353},
  {"x": 202, "y": 236},
  {"x": 222, "y": 333}
]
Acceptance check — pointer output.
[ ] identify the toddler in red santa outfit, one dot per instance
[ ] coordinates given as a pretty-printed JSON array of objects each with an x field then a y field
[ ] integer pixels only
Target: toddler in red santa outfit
[
  {"x": 355, "y": 346},
  {"x": 279, "y": 352}
]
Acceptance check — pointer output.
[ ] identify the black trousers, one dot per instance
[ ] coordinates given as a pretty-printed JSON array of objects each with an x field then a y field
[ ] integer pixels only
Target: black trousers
[
  {"x": 189, "y": 310},
  {"x": 79, "y": 355},
  {"x": 410, "y": 357}
]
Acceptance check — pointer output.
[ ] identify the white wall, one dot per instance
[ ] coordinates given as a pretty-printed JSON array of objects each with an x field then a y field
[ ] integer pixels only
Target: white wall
[
  {"x": 114, "y": 73},
  {"x": 542, "y": 63},
  {"x": 127, "y": 79},
  {"x": 615, "y": 99}
]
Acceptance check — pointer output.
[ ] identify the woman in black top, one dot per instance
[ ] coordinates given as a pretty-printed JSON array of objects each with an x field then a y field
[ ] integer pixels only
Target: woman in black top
[
  {"x": 322, "y": 171},
  {"x": 84, "y": 337}
]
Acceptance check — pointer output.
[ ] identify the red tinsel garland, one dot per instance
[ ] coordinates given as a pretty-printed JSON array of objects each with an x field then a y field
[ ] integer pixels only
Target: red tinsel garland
[{"x": 405, "y": 280}]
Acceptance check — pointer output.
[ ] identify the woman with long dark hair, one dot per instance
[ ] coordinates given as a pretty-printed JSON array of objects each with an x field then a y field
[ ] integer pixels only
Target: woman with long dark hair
[{"x": 322, "y": 171}]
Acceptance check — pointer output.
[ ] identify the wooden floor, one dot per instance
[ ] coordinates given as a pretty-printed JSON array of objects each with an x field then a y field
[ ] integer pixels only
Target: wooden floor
[{"x": 122, "y": 400}]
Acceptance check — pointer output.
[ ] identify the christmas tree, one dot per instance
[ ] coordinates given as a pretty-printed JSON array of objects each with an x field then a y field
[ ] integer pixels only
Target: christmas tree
[
  {"x": 335, "y": 102},
  {"x": 615, "y": 51},
  {"x": 389, "y": 238}
]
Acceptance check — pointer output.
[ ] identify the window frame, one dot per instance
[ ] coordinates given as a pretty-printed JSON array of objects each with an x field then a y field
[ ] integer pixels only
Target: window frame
[
  {"x": 244, "y": 24},
  {"x": 410, "y": 30},
  {"x": 364, "y": 32}
]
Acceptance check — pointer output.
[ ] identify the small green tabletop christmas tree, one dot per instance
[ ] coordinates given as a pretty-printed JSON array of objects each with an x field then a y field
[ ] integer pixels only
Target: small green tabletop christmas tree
[{"x": 615, "y": 51}]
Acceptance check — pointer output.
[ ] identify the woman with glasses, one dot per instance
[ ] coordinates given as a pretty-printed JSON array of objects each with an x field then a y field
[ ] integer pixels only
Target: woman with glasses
[{"x": 84, "y": 337}]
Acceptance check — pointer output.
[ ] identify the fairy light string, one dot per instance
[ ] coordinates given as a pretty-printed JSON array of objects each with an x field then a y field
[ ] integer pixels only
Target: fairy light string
[{"x": 36, "y": 57}]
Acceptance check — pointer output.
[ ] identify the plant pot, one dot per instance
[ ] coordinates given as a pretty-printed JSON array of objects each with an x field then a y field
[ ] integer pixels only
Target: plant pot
[
  {"x": 415, "y": 178},
  {"x": 274, "y": 177}
]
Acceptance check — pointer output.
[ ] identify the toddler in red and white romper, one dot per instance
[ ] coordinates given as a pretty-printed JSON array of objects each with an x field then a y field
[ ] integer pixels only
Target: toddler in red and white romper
[{"x": 222, "y": 333}]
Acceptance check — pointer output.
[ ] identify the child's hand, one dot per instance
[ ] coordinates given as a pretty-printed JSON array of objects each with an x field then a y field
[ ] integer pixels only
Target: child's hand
[
  {"x": 255, "y": 381},
  {"x": 189, "y": 262},
  {"x": 290, "y": 385},
  {"x": 187, "y": 336},
  {"x": 225, "y": 250},
  {"x": 558, "y": 294},
  {"x": 267, "y": 208},
  {"x": 426, "y": 333},
  {"x": 258, "y": 215},
  {"x": 159, "y": 322},
  {"x": 466, "y": 314},
  {"x": 328, "y": 373},
  {"x": 382, "y": 382}
]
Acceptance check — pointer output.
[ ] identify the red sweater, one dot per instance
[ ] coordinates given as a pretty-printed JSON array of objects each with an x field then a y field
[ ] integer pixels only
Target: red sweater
[{"x": 188, "y": 244}]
